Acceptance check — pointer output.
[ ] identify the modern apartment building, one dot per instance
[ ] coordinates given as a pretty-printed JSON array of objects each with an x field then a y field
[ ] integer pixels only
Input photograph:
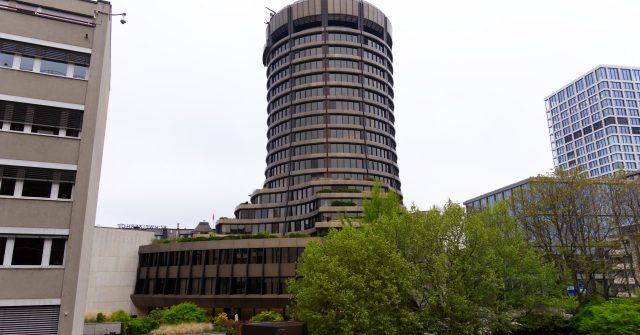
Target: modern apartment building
[
  {"x": 54, "y": 91},
  {"x": 594, "y": 121},
  {"x": 331, "y": 117}
]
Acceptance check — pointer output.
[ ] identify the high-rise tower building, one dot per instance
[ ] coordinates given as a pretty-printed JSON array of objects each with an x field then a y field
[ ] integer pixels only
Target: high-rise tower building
[
  {"x": 594, "y": 121},
  {"x": 331, "y": 116},
  {"x": 54, "y": 91}
]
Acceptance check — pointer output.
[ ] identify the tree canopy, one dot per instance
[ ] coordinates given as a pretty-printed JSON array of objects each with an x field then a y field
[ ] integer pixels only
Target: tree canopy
[{"x": 443, "y": 271}]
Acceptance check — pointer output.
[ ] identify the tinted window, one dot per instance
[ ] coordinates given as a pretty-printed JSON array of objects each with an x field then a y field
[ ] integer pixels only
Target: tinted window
[
  {"x": 7, "y": 187},
  {"x": 52, "y": 67},
  {"x": 36, "y": 188},
  {"x": 3, "y": 243},
  {"x": 6, "y": 60},
  {"x": 57, "y": 251},
  {"x": 79, "y": 72},
  {"x": 27, "y": 251},
  {"x": 26, "y": 63}
]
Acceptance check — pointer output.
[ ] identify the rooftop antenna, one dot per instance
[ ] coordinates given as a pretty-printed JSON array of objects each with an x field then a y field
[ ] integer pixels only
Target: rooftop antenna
[{"x": 271, "y": 14}]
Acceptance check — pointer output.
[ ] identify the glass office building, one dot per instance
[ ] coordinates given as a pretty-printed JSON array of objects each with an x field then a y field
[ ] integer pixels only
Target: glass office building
[{"x": 594, "y": 123}]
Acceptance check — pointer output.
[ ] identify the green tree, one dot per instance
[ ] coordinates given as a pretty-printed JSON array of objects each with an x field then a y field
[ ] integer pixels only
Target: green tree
[
  {"x": 353, "y": 283},
  {"x": 614, "y": 317}
]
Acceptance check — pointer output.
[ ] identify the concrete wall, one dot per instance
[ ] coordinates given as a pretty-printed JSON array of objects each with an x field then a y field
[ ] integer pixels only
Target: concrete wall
[{"x": 114, "y": 262}]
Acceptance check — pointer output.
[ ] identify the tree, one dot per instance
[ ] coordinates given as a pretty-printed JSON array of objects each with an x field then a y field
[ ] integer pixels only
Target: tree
[
  {"x": 577, "y": 222},
  {"x": 443, "y": 271},
  {"x": 183, "y": 313},
  {"x": 353, "y": 282}
]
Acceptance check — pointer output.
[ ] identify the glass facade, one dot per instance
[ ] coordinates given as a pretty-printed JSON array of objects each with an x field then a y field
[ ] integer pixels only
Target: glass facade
[{"x": 594, "y": 122}]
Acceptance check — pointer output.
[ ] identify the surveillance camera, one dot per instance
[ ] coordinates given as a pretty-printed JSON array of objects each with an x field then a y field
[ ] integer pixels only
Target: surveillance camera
[{"x": 123, "y": 21}]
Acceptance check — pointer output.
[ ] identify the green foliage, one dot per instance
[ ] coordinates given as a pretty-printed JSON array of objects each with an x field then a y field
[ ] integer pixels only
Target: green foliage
[
  {"x": 100, "y": 318},
  {"x": 122, "y": 317},
  {"x": 442, "y": 271},
  {"x": 160, "y": 241},
  {"x": 613, "y": 317},
  {"x": 342, "y": 203},
  {"x": 353, "y": 283},
  {"x": 259, "y": 235},
  {"x": 183, "y": 313},
  {"x": 267, "y": 316},
  {"x": 140, "y": 326}
]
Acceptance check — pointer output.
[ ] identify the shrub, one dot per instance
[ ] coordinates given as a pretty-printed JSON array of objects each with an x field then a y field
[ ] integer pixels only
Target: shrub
[
  {"x": 294, "y": 235},
  {"x": 220, "y": 319},
  {"x": 122, "y": 317},
  {"x": 100, "y": 317},
  {"x": 141, "y": 326},
  {"x": 613, "y": 317},
  {"x": 267, "y": 316},
  {"x": 187, "y": 328},
  {"x": 183, "y": 313}
]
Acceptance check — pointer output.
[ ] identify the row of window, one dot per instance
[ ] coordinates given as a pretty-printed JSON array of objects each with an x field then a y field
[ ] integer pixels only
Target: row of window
[
  {"x": 341, "y": 37},
  {"x": 221, "y": 256},
  {"x": 26, "y": 63},
  {"x": 301, "y": 179},
  {"x": 39, "y": 119},
  {"x": 31, "y": 251},
  {"x": 306, "y": 192},
  {"x": 590, "y": 79},
  {"x": 321, "y": 163},
  {"x": 331, "y": 134},
  {"x": 36, "y": 182},
  {"x": 311, "y": 149},
  {"x": 212, "y": 286}
]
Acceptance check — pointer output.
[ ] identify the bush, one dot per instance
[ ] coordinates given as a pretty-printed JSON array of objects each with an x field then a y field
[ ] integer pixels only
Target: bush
[
  {"x": 613, "y": 317},
  {"x": 187, "y": 328},
  {"x": 267, "y": 316},
  {"x": 141, "y": 326},
  {"x": 122, "y": 317},
  {"x": 100, "y": 317},
  {"x": 184, "y": 313},
  {"x": 294, "y": 235},
  {"x": 220, "y": 319}
]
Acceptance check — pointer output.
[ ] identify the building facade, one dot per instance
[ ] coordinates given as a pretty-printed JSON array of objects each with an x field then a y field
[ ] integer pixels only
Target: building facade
[
  {"x": 331, "y": 117},
  {"x": 54, "y": 90},
  {"x": 594, "y": 121},
  {"x": 240, "y": 277},
  {"x": 114, "y": 265}
]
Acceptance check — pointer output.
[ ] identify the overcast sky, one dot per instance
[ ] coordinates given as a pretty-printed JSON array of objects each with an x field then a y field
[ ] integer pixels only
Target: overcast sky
[{"x": 186, "y": 131}]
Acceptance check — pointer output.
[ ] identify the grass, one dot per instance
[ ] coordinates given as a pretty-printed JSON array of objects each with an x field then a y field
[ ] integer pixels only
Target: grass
[{"x": 185, "y": 328}]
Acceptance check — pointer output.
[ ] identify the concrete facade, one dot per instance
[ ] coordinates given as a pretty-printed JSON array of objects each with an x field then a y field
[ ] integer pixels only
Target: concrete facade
[
  {"x": 54, "y": 91},
  {"x": 330, "y": 116},
  {"x": 114, "y": 264}
]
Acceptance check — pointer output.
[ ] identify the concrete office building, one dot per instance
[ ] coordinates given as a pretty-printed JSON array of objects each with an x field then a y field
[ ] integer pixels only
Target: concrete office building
[
  {"x": 54, "y": 90},
  {"x": 594, "y": 121},
  {"x": 331, "y": 116}
]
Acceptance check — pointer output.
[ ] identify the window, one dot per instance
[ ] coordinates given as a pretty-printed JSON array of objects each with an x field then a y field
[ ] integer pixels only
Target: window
[
  {"x": 6, "y": 59},
  {"x": 53, "y": 67},
  {"x": 57, "y": 251},
  {"x": 26, "y": 63},
  {"x": 3, "y": 244},
  {"x": 7, "y": 186},
  {"x": 79, "y": 71},
  {"x": 36, "y": 188},
  {"x": 27, "y": 251}
]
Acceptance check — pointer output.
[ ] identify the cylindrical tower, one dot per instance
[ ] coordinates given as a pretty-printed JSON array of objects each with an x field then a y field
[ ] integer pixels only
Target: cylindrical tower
[{"x": 331, "y": 116}]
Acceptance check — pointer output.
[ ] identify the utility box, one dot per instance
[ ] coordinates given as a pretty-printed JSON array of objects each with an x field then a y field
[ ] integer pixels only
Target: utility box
[
  {"x": 104, "y": 328},
  {"x": 275, "y": 328}
]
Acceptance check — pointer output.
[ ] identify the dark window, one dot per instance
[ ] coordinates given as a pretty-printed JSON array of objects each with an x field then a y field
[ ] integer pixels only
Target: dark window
[
  {"x": 64, "y": 192},
  {"x": 36, "y": 188},
  {"x": 57, "y": 251},
  {"x": 44, "y": 130},
  {"x": 27, "y": 251},
  {"x": 3, "y": 243},
  {"x": 7, "y": 187},
  {"x": 17, "y": 127}
]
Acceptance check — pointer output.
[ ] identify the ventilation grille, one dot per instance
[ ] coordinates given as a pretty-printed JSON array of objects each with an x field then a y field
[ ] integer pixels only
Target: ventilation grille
[{"x": 29, "y": 320}]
